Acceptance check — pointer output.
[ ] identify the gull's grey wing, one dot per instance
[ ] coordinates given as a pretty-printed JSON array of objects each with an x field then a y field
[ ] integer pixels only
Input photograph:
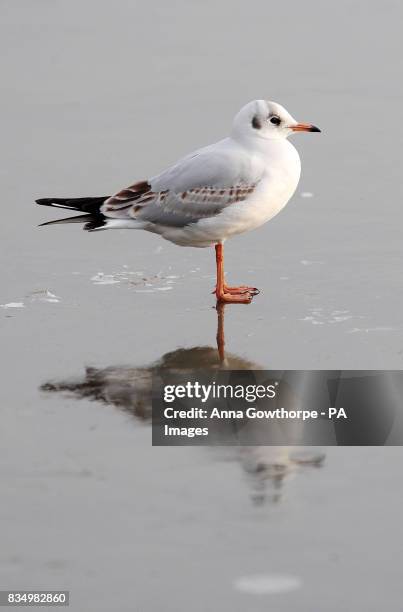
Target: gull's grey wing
[
  {"x": 180, "y": 209},
  {"x": 199, "y": 186},
  {"x": 222, "y": 164},
  {"x": 174, "y": 209}
]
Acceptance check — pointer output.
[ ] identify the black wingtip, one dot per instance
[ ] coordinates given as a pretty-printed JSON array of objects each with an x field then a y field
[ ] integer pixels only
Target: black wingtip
[
  {"x": 76, "y": 219},
  {"x": 86, "y": 204},
  {"x": 58, "y": 202}
]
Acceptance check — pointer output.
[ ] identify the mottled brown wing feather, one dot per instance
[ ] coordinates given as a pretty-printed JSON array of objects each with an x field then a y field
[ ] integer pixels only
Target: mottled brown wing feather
[
  {"x": 174, "y": 209},
  {"x": 179, "y": 209},
  {"x": 125, "y": 197}
]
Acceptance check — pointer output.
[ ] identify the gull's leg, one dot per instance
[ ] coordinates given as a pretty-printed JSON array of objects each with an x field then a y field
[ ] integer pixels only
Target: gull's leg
[{"x": 225, "y": 294}]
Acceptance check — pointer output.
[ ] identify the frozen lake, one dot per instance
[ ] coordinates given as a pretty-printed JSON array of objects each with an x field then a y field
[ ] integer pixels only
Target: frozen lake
[{"x": 96, "y": 95}]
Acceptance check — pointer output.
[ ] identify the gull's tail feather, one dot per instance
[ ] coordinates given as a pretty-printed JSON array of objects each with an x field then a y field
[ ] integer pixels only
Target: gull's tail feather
[
  {"x": 92, "y": 222},
  {"x": 76, "y": 219},
  {"x": 93, "y": 219},
  {"x": 86, "y": 205}
]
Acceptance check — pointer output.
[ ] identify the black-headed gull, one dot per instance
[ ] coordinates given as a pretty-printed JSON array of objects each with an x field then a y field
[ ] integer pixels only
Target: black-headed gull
[{"x": 221, "y": 190}]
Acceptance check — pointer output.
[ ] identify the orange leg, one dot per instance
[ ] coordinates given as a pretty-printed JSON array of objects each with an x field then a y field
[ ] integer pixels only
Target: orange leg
[{"x": 226, "y": 294}]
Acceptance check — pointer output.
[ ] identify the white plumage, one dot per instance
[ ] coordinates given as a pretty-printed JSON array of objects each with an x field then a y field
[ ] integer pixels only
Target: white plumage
[
  {"x": 221, "y": 190},
  {"x": 227, "y": 188}
]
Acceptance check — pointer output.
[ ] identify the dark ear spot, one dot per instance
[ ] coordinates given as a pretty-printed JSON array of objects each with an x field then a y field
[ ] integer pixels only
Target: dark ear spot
[{"x": 256, "y": 123}]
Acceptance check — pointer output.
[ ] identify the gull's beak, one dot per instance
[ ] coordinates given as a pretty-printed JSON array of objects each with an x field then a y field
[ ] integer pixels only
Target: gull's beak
[{"x": 304, "y": 127}]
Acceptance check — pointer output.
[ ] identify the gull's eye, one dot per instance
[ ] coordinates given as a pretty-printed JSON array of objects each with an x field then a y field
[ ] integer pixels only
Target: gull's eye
[{"x": 275, "y": 120}]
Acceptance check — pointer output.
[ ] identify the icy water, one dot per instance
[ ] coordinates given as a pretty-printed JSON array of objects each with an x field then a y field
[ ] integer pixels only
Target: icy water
[{"x": 95, "y": 95}]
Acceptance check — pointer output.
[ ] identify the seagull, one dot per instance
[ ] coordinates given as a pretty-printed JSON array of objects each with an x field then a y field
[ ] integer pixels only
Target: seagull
[{"x": 221, "y": 190}]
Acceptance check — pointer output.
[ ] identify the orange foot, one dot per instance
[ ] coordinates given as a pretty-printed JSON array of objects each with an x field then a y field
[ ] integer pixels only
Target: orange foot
[
  {"x": 236, "y": 295},
  {"x": 241, "y": 290}
]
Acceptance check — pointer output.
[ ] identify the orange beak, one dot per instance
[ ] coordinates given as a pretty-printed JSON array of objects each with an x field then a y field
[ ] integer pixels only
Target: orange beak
[{"x": 305, "y": 127}]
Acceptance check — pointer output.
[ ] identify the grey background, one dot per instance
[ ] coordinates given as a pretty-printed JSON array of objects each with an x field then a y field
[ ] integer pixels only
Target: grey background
[{"x": 95, "y": 95}]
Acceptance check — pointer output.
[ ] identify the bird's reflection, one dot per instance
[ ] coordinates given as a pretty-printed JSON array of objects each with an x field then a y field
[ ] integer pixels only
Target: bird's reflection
[{"x": 129, "y": 388}]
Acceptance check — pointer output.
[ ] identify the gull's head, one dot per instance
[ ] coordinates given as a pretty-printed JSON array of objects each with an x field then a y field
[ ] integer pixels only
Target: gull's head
[{"x": 268, "y": 120}]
